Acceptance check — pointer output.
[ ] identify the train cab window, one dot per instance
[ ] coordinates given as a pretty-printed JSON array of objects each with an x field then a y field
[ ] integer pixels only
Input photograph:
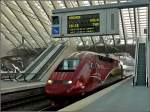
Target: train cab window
[
  {"x": 92, "y": 66},
  {"x": 110, "y": 60},
  {"x": 99, "y": 57},
  {"x": 68, "y": 65},
  {"x": 107, "y": 59}
]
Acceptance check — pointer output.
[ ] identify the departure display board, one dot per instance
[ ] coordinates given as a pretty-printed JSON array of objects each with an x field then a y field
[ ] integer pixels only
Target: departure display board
[{"x": 88, "y": 23}]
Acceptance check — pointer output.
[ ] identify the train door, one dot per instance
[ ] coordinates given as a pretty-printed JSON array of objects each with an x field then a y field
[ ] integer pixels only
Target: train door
[{"x": 94, "y": 78}]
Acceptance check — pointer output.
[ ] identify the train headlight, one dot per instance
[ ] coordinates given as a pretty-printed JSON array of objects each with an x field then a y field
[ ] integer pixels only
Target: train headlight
[
  {"x": 69, "y": 82},
  {"x": 121, "y": 63},
  {"x": 49, "y": 81}
]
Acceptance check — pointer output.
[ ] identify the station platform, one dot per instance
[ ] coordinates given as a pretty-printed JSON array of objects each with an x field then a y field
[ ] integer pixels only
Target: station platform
[
  {"x": 10, "y": 86},
  {"x": 121, "y": 97}
]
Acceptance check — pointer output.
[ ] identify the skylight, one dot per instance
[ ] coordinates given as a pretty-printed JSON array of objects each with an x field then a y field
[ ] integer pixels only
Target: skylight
[{"x": 85, "y": 3}]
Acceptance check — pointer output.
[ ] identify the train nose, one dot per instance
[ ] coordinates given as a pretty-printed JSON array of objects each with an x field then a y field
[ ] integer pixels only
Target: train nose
[
  {"x": 59, "y": 90},
  {"x": 58, "y": 87}
]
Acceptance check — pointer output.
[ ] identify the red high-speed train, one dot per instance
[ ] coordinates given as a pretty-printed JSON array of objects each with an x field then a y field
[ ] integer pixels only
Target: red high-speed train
[{"x": 83, "y": 72}]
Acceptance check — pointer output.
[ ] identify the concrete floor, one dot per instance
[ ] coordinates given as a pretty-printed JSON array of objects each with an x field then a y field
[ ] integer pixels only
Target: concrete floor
[
  {"x": 125, "y": 98},
  {"x": 120, "y": 97}
]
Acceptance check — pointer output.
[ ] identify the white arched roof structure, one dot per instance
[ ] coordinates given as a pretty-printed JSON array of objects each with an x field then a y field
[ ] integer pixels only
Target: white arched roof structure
[{"x": 30, "y": 20}]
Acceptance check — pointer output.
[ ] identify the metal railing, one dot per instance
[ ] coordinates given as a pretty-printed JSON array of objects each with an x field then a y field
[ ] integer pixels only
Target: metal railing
[
  {"x": 136, "y": 62},
  {"x": 32, "y": 66},
  {"x": 35, "y": 63},
  {"x": 147, "y": 62},
  {"x": 45, "y": 62},
  {"x": 58, "y": 55},
  {"x": 9, "y": 76},
  {"x": 37, "y": 70},
  {"x": 13, "y": 76}
]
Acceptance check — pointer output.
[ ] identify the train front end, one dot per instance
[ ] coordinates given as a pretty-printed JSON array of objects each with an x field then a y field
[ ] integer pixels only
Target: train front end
[{"x": 64, "y": 80}]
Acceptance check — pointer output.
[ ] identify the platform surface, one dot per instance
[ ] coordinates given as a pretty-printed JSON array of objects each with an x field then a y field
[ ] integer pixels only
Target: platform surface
[
  {"x": 123, "y": 98},
  {"x": 10, "y": 86}
]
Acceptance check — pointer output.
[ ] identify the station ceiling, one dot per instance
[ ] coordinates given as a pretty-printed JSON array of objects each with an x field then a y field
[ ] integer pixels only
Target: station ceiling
[{"x": 28, "y": 23}]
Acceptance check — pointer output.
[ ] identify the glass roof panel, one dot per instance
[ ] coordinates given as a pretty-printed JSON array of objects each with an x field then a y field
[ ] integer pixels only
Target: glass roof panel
[
  {"x": 95, "y": 2},
  {"x": 74, "y": 3},
  {"x": 50, "y": 4},
  {"x": 61, "y": 4},
  {"x": 69, "y": 4},
  {"x": 85, "y": 3}
]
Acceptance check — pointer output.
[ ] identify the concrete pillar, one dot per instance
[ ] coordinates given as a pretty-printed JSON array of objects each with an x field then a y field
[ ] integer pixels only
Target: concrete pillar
[
  {"x": 148, "y": 61},
  {"x": 148, "y": 46}
]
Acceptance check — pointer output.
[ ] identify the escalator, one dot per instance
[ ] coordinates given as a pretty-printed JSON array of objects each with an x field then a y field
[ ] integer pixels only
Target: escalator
[
  {"x": 40, "y": 58},
  {"x": 33, "y": 72},
  {"x": 44, "y": 67},
  {"x": 141, "y": 65}
]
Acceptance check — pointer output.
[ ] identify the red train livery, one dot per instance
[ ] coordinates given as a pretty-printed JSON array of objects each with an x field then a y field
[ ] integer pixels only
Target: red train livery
[{"x": 81, "y": 73}]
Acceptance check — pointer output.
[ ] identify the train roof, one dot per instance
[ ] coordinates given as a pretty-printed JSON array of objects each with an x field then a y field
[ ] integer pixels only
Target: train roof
[{"x": 84, "y": 54}]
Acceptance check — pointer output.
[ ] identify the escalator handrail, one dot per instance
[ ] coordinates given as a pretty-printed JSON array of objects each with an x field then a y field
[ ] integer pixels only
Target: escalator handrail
[
  {"x": 52, "y": 63},
  {"x": 32, "y": 63},
  {"x": 136, "y": 61},
  {"x": 147, "y": 62},
  {"x": 50, "y": 55},
  {"x": 49, "y": 63}
]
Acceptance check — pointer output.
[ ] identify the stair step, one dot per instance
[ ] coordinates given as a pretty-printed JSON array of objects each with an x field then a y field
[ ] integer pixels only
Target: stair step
[{"x": 141, "y": 67}]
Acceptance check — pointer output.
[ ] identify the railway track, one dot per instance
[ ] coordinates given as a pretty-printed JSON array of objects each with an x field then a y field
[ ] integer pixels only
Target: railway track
[
  {"x": 30, "y": 100},
  {"x": 61, "y": 104},
  {"x": 36, "y": 100},
  {"x": 15, "y": 100}
]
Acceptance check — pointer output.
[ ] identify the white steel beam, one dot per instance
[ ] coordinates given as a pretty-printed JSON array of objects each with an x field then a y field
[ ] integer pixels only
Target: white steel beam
[
  {"x": 7, "y": 38},
  {"x": 20, "y": 5},
  {"x": 149, "y": 22},
  {"x": 130, "y": 21},
  {"x": 14, "y": 24},
  {"x": 6, "y": 25},
  {"x": 39, "y": 15},
  {"x": 135, "y": 23},
  {"x": 123, "y": 28},
  {"x": 13, "y": 35},
  {"x": 26, "y": 27},
  {"x": 81, "y": 37},
  {"x": 138, "y": 3},
  {"x": 45, "y": 8}
]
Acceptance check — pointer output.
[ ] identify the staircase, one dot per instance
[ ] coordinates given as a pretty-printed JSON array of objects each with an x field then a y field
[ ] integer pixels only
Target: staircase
[{"x": 141, "y": 65}]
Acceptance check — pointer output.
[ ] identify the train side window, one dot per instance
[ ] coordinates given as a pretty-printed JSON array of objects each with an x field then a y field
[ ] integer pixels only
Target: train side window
[
  {"x": 100, "y": 57},
  {"x": 105, "y": 59},
  {"x": 111, "y": 60},
  {"x": 92, "y": 65}
]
